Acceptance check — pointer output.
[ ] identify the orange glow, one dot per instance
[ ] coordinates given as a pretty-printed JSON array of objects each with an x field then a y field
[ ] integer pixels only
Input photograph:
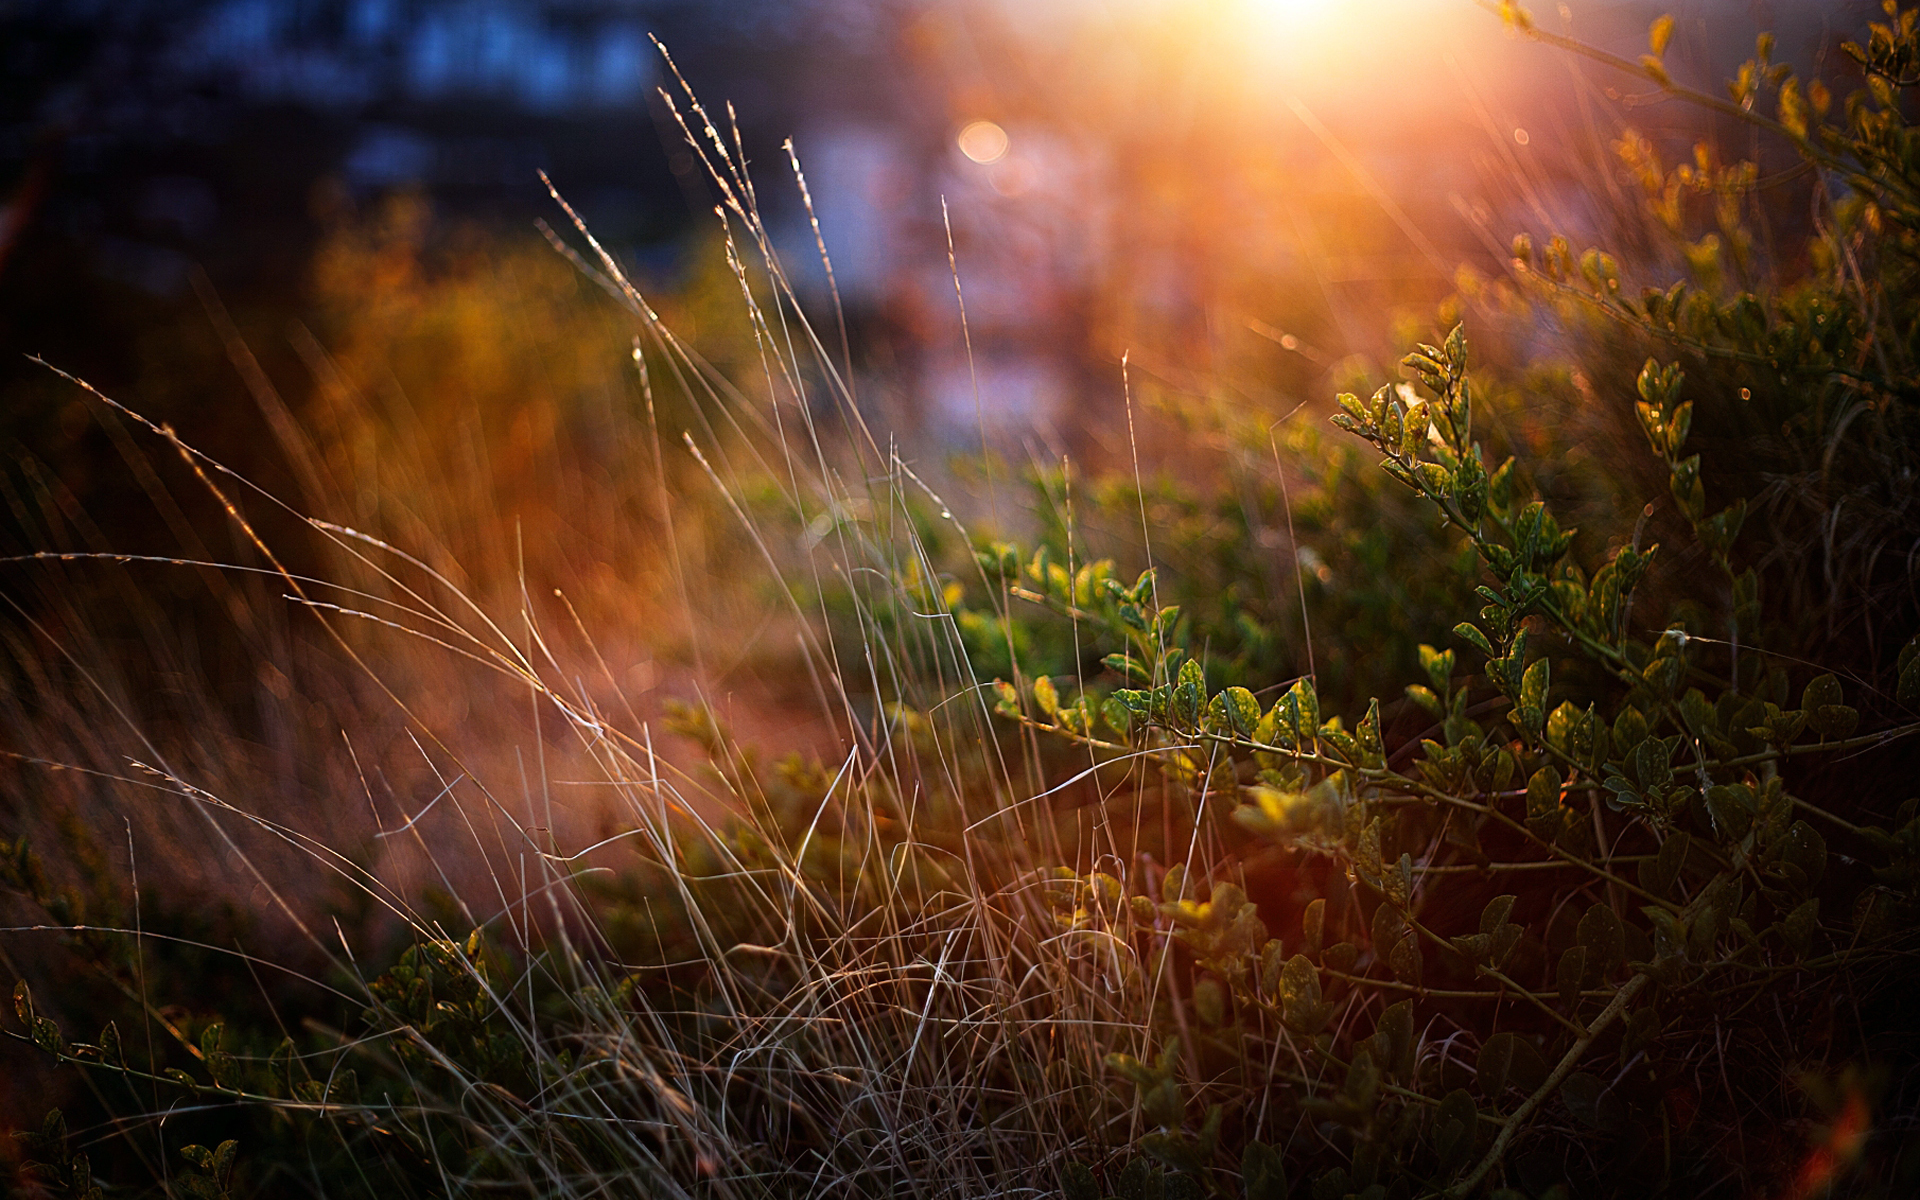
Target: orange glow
[
  {"x": 1845, "y": 1140},
  {"x": 1198, "y": 166}
]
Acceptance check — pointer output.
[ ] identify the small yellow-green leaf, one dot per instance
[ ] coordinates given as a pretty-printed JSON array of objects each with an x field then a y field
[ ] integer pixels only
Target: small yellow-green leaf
[
  {"x": 1173, "y": 883},
  {"x": 1533, "y": 693},
  {"x": 1243, "y": 711},
  {"x": 1313, "y": 925},
  {"x": 1045, "y": 696},
  {"x": 1660, "y": 34},
  {"x": 1210, "y": 1002}
]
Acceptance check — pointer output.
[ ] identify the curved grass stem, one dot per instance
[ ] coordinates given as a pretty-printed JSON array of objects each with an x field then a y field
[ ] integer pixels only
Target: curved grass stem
[{"x": 1518, "y": 1121}]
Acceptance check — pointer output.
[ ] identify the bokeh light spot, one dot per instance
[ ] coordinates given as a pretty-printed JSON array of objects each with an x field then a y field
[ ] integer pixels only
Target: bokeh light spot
[{"x": 983, "y": 142}]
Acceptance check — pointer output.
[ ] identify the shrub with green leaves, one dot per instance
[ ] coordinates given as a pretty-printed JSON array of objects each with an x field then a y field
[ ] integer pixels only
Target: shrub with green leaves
[{"x": 1548, "y": 907}]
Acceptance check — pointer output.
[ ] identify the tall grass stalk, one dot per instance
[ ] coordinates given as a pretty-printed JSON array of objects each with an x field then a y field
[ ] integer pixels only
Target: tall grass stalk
[{"x": 868, "y": 998}]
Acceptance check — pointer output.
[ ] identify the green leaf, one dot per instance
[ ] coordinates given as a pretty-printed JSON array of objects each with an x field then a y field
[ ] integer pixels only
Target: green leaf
[
  {"x": 1273, "y": 958},
  {"x": 1821, "y": 691},
  {"x": 1798, "y": 926},
  {"x": 1162, "y": 1103},
  {"x": 1504, "y": 765},
  {"x": 1143, "y": 586},
  {"x": 1263, "y": 1172},
  {"x": 1659, "y": 873},
  {"x": 1313, "y": 925},
  {"x": 1399, "y": 882},
  {"x": 1543, "y": 802},
  {"x": 47, "y": 1035},
  {"x": 1806, "y": 849},
  {"x": 1173, "y": 1149},
  {"x": 1136, "y": 1180},
  {"x": 1490, "y": 1069},
  {"x": 1165, "y": 620},
  {"x": 1131, "y": 1069},
  {"x": 1526, "y": 1068},
  {"x": 1474, "y": 947},
  {"x": 1469, "y": 633},
  {"x": 1825, "y": 705},
  {"x": 1366, "y": 855},
  {"x": 1669, "y": 933},
  {"x": 1045, "y": 697},
  {"x": 1077, "y": 1183},
  {"x": 1388, "y": 925},
  {"x": 1834, "y": 722},
  {"x": 1732, "y": 808},
  {"x": 1506, "y": 939},
  {"x": 1128, "y": 666},
  {"x": 1243, "y": 711},
  {"x": 1663, "y": 674},
  {"x": 1629, "y": 729},
  {"x": 1643, "y": 1025},
  {"x": 1566, "y": 731},
  {"x": 1210, "y": 1002},
  {"x": 1355, "y": 407},
  {"x": 1438, "y": 664},
  {"x": 1373, "y": 751},
  {"x": 1307, "y": 703},
  {"x": 223, "y": 1156},
  {"x": 1173, "y": 883},
  {"x": 1301, "y": 1006},
  {"x": 110, "y": 1051},
  {"x": 1495, "y": 914},
  {"x": 1453, "y": 1129},
  {"x": 1396, "y": 1026},
  {"x": 1571, "y": 974},
  {"x": 1653, "y": 763},
  {"x": 1405, "y": 959},
  {"x": 1363, "y": 1080},
  {"x": 1533, "y": 694},
  {"x": 1604, "y": 937},
  {"x": 1907, "y": 690}
]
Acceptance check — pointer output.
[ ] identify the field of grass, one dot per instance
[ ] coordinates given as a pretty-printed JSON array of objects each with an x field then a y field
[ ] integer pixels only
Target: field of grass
[{"x": 615, "y": 763}]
